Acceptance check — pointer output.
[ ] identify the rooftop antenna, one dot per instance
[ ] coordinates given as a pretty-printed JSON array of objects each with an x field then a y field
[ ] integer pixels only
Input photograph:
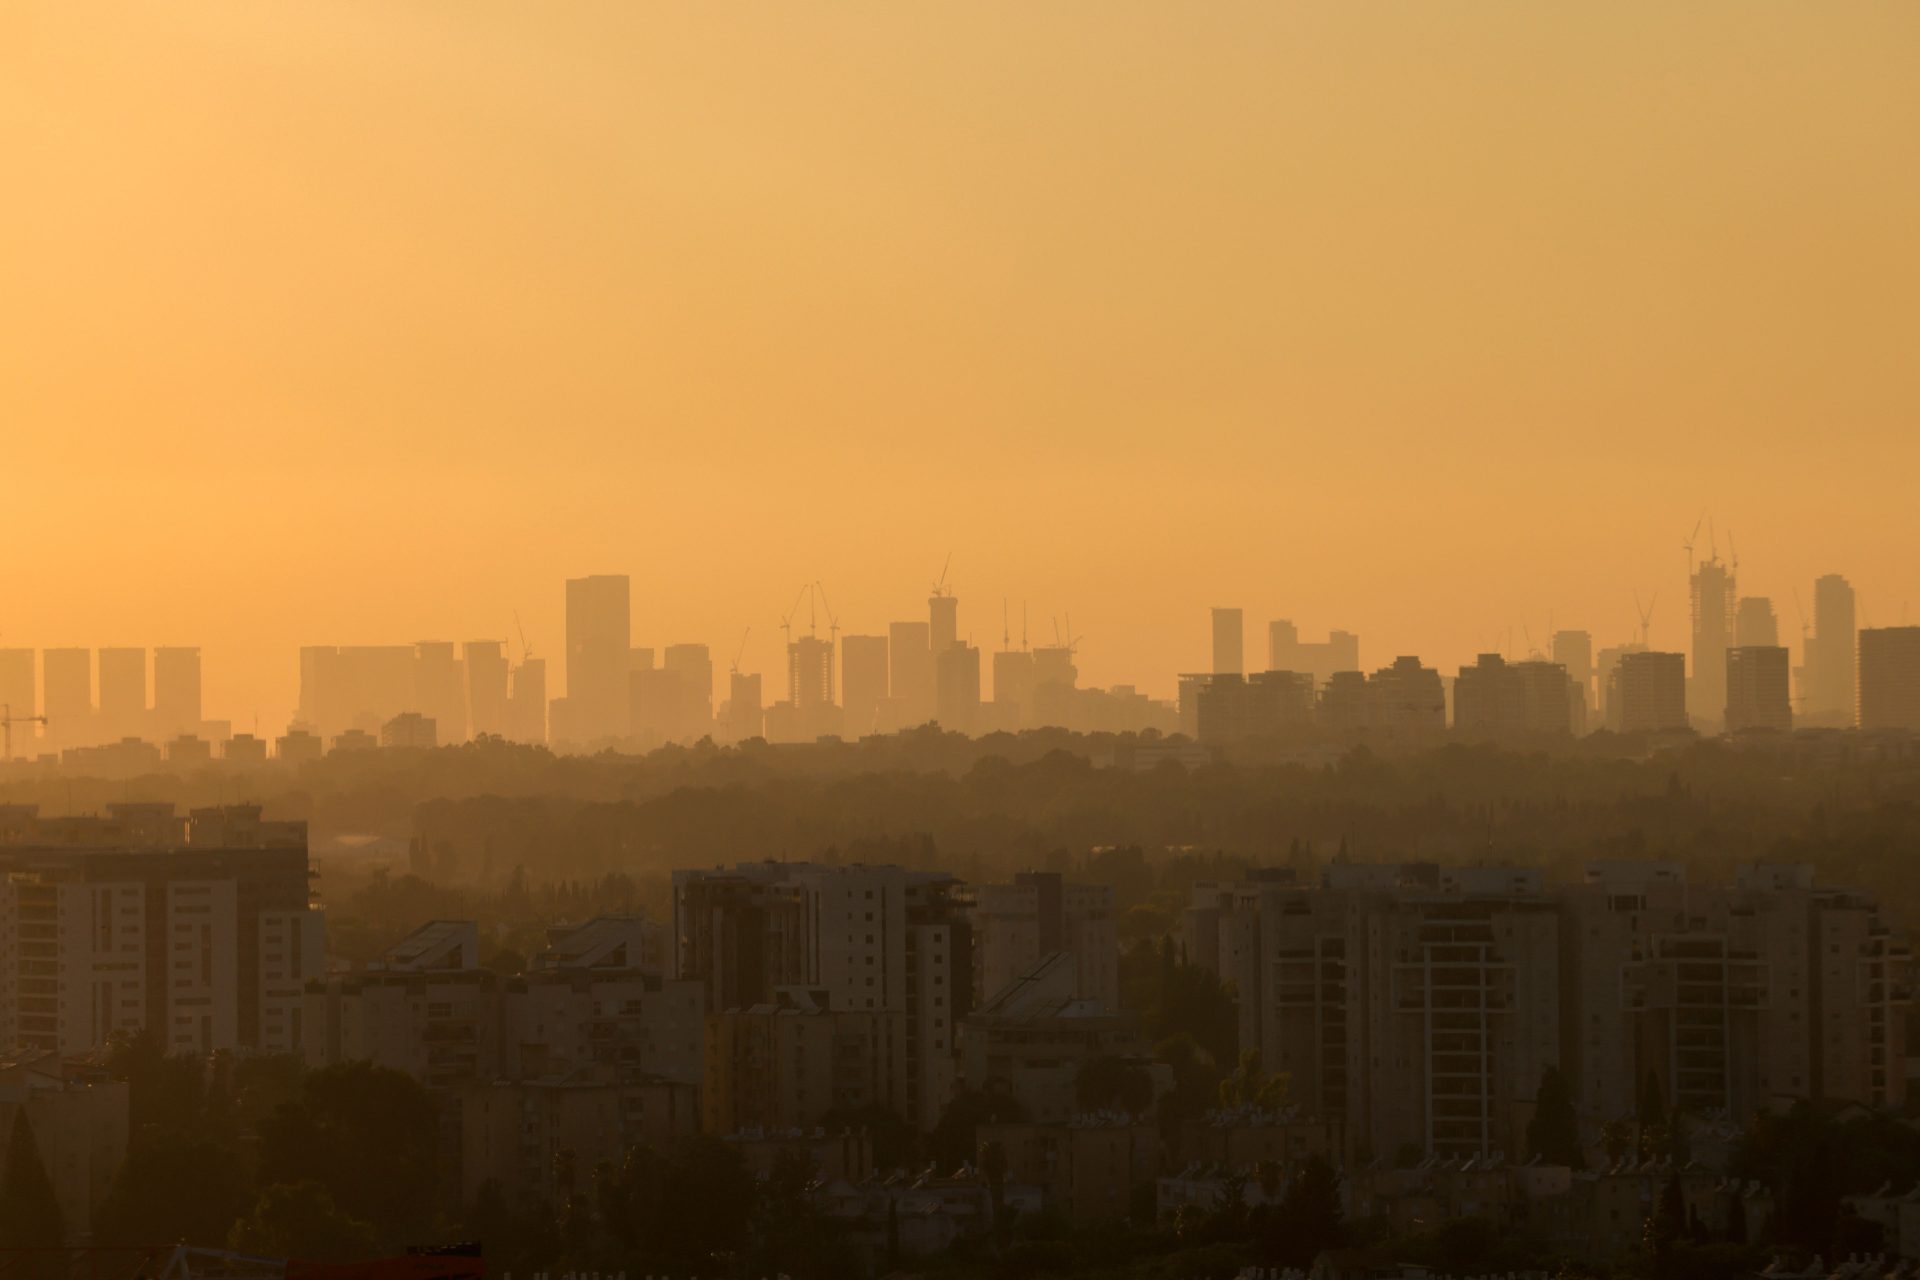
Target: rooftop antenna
[
  {"x": 1006, "y": 632},
  {"x": 1023, "y": 625}
]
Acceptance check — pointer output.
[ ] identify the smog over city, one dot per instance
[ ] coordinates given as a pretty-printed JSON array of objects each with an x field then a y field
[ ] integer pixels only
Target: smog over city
[{"x": 1247, "y": 641}]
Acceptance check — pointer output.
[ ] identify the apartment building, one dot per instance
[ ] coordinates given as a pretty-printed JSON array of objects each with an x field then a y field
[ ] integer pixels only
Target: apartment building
[
  {"x": 1421, "y": 1005},
  {"x": 869, "y": 939},
  {"x": 428, "y": 1008},
  {"x": 199, "y": 927},
  {"x": 787, "y": 1064},
  {"x": 1040, "y": 913}
]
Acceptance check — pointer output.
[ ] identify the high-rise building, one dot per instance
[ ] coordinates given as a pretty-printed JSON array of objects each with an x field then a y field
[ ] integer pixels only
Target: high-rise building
[
  {"x": 1230, "y": 708},
  {"x": 67, "y": 694},
  {"x": 1714, "y": 596},
  {"x": 1414, "y": 1003},
  {"x": 440, "y": 689},
  {"x": 1499, "y": 701},
  {"x": 527, "y": 701},
  {"x": 1890, "y": 678},
  {"x": 487, "y": 699},
  {"x": 863, "y": 683},
  {"x": 1013, "y": 688},
  {"x": 1574, "y": 651},
  {"x": 196, "y": 928},
  {"x": 957, "y": 687},
  {"x": 1606, "y": 674},
  {"x": 123, "y": 694},
  {"x": 19, "y": 699},
  {"x": 1229, "y": 643},
  {"x": 1827, "y": 682},
  {"x": 1754, "y": 623},
  {"x": 1759, "y": 693},
  {"x": 599, "y": 640},
  {"x": 943, "y": 622},
  {"x": 864, "y": 938},
  {"x": 810, "y": 672},
  {"x": 693, "y": 664},
  {"x": 910, "y": 672},
  {"x": 176, "y": 692},
  {"x": 746, "y": 717},
  {"x": 1653, "y": 691},
  {"x": 1285, "y": 652},
  {"x": 1017, "y": 925},
  {"x": 353, "y": 686},
  {"x": 1406, "y": 703}
]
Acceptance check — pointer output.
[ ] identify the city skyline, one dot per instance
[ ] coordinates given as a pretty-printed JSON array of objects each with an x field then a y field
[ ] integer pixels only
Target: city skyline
[
  {"x": 759, "y": 646},
  {"x": 1149, "y": 328}
]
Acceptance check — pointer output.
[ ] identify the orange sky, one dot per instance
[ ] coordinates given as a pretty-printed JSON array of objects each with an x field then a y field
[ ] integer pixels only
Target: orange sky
[{"x": 371, "y": 321}]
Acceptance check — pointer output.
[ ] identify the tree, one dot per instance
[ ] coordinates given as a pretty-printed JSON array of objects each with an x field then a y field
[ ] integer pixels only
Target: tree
[
  {"x": 300, "y": 1220},
  {"x": 1248, "y": 1086},
  {"x": 29, "y": 1210},
  {"x": 173, "y": 1187},
  {"x": 1553, "y": 1135},
  {"x": 366, "y": 1134}
]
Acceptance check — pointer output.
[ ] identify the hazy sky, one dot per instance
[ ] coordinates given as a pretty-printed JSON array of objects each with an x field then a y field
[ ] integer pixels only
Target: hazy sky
[{"x": 372, "y": 321}]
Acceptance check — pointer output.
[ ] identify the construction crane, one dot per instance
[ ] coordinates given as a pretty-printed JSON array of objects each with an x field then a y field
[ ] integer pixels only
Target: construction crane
[
  {"x": 940, "y": 587},
  {"x": 833, "y": 620},
  {"x": 1691, "y": 539},
  {"x": 733, "y": 668},
  {"x": 8, "y": 720},
  {"x": 526, "y": 650},
  {"x": 786, "y": 623},
  {"x": 1646, "y": 612}
]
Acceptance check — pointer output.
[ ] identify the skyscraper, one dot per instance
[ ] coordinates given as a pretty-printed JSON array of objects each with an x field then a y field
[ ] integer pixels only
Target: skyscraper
[
  {"x": 863, "y": 682},
  {"x": 910, "y": 671},
  {"x": 943, "y": 622},
  {"x": 745, "y": 717},
  {"x": 1827, "y": 673},
  {"x": 1653, "y": 691},
  {"x": 1013, "y": 687},
  {"x": 693, "y": 664},
  {"x": 1890, "y": 678},
  {"x": 123, "y": 694},
  {"x": 809, "y": 673},
  {"x": 1574, "y": 651},
  {"x": 1754, "y": 623},
  {"x": 1714, "y": 593},
  {"x": 1285, "y": 652},
  {"x": 599, "y": 638},
  {"x": 1758, "y": 693},
  {"x": 486, "y": 667},
  {"x": 527, "y": 702},
  {"x": 176, "y": 692},
  {"x": 67, "y": 676},
  {"x": 439, "y": 689},
  {"x": 957, "y": 687},
  {"x": 1229, "y": 643}
]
